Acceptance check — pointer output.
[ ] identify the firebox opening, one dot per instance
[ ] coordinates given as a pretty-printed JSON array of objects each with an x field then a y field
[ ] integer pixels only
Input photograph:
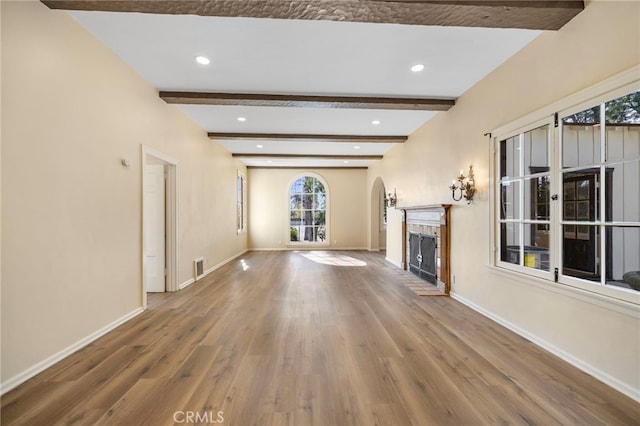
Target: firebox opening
[{"x": 422, "y": 261}]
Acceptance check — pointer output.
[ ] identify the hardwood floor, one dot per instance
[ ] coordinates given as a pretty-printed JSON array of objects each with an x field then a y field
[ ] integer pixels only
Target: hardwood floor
[{"x": 280, "y": 339}]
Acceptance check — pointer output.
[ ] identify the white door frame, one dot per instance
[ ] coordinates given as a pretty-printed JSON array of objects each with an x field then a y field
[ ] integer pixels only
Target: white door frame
[{"x": 171, "y": 218}]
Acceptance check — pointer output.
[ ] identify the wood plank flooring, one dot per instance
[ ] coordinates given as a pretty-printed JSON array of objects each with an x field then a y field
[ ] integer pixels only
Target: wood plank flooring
[{"x": 281, "y": 339}]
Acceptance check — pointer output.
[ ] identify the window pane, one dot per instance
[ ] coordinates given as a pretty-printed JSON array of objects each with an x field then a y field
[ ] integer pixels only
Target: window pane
[
  {"x": 309, "y": 233},
  {"x": 322, "y": 233},
  {"x": 295, "y": 202},
  {"x": 321, "y": 201},
  {"x": 307, "y": 217},
  {"x": 307, "y": 186},
  {"x": 510, "y": 200},
  {"x": 623, "y": 142},
  {"x": 307, "y": 201},
  {"x": 623, "y": 189},
  {"x": 580, "y": 247},
  {"x": 298, "y": 186},
  {"x": 509, "y": 158},
  {"x": 581, "y": 195},
  {"x": 624, "y": 110},
  {"x": 536, "y": 198},
  {"x": 580, "y": 146},
  {"x": 536, "y": 150},
  {"x": 581, "y": 138},
  {"x": 623, "y": 258},
  {"x": 623, "y": 139},
  {"x": 303, "y": 233},
  {"x": 319, "y": 217},
  {"x": 589, "y": 116},
  {"x": 510, "y": 243},
  {"x": 534, "y": 256}
]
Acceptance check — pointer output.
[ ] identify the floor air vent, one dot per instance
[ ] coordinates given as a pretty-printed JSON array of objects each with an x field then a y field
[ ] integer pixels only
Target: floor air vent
[{"x": 198, "y": 268}]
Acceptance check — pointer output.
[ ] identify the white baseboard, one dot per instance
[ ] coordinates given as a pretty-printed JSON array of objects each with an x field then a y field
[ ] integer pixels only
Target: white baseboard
[
  {"x": 43, "y": 365},
  {"x": 210, "y": 270},
  {"x": 186, "y": 283},
  {"x": 576, "y": 362}
]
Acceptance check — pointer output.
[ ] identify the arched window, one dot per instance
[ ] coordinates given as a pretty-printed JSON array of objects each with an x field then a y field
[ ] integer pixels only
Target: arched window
[{"x": 307, "y": 210}]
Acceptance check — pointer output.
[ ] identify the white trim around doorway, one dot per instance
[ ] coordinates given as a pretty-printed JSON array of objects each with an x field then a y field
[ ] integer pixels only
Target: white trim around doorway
[{"x": 171, "y": 221}]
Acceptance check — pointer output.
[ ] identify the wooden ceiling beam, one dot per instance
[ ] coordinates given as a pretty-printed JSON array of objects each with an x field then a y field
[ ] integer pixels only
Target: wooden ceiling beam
[
  {"x": 307, "y": 167},
  {"x": 308, "y": 137},
  {"x": 524, "y": 14},
  {"x": 307, "y": 101},
  {"x": 314, "y": 156}
]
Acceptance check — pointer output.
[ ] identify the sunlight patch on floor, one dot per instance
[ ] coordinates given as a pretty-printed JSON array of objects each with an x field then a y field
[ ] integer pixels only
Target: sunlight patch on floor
[
  {"x": 244, "y": 264},
  {"x": 328, "y": 258}
]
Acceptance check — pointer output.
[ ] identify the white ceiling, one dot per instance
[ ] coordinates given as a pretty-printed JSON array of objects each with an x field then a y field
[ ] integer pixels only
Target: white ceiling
[{"x": 273, "y": 56}]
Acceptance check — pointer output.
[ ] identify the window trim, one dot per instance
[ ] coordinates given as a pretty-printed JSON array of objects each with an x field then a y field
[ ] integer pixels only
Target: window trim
[
  {"x": 496, "y": 202},
  {"x": 604, "y": 91},
  {"x": 242, "y": 203},
  {"x": 287, "y": 236}
]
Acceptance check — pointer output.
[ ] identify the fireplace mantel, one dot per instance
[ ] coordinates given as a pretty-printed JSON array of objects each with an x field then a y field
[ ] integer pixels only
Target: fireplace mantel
[{"x": 441, "y": 207}]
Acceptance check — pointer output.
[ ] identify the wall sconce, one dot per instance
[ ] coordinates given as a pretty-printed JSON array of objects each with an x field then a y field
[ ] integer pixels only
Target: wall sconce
[
  {"x": 463, "y": 186},
  {"x": 392, "y": 198}
]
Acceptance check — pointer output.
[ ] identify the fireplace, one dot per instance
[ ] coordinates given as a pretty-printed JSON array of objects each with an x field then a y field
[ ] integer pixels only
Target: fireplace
[
  {"x": 426, "y": 244},
  {"x": 422, "y": 256}
]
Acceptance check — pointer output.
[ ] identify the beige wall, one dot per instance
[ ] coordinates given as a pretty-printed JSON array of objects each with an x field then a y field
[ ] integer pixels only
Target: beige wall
[
  {"x": 268, "y": 207},
  {"x": 71, "y": 213},
  {"x": 600, "y": 42}
]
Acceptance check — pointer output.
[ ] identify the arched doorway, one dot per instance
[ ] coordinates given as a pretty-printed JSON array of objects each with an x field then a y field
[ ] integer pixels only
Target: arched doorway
[{"x": 378, "y": 230}]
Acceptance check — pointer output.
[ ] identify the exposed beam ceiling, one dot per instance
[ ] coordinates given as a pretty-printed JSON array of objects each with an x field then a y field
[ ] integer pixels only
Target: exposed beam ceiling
[
  {"x": 291, "y": 87},
  {"x": 307, "y": 101},
  {"x": 308, "y": 138},
  {"x": 539, "y": 15}
]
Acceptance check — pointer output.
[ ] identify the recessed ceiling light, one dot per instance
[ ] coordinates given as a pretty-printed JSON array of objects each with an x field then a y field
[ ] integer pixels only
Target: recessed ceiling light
[
  {"x": 242, "y": 119},
  {"x": 417, "y": 68},
  {"x": 356, "y": 147},
  {"x": 375, "y": 122},
  {"x": 346, "y": 161},
  {"x": 259, "y": 146},
  {"x": 202, "y": 60}
]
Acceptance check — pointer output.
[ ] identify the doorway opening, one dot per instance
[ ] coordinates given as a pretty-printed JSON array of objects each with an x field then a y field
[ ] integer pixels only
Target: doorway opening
[
  {"x": 159, "y": 223},
  {"x": 378, "y": 219}
]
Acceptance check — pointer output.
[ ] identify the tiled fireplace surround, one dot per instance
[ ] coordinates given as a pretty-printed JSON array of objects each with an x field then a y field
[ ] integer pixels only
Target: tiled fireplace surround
[{"x": 430, "y": 220}]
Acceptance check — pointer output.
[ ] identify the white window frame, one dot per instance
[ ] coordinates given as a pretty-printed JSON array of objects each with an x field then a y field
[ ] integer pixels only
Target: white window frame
[
  {"x": 326, "y": 242},
  {"x": 519, "y": 132},
  {"x": 241, "y": 226},
  {"x": 607, "y": 90}
]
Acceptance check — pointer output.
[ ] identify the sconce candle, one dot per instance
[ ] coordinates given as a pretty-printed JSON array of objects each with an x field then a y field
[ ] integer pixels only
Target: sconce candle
[
  {"x": 392, "y": 199},
  {"x": 463, "y": 186}
]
